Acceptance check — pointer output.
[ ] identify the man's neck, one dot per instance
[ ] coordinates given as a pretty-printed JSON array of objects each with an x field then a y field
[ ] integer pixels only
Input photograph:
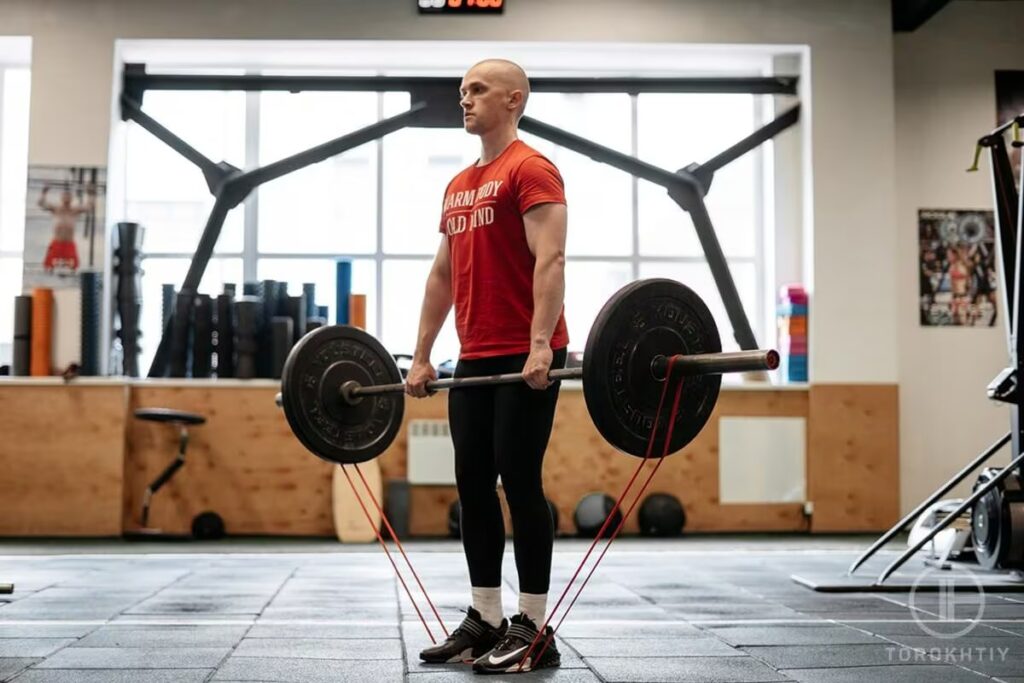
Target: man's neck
[{"x": 494, "y": 143}]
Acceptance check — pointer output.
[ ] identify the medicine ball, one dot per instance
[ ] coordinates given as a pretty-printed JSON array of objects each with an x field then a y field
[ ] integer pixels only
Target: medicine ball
[
  {"x": 591, "y": 512},
  {"x": 661, "y": 514},
  {"x": 455, "y": 519},
  {"x": 207, "y": 526}
]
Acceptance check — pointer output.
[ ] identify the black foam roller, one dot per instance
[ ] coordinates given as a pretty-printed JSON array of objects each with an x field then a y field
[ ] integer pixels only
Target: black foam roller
[
  {"x": 283, "y": 338},
  {"x": 181, "y": 325},
  {"x": 229, "y": 289},
  {"x": 167, "y": 294},
  {"x": 309, "y": 291},
  {"x": 314, "y": 323},
  {"x": 264, "y": 353},
  {"x": 91, "y": 313},
  {"x": 225, "y": 336},
  {"x": 202, "y": 337},
  {"x": 296, "y": 306},
  {"x": 247, "y": 318},
  {"x": 250, "y": 289},
  {"x": 22, "y": 335}
]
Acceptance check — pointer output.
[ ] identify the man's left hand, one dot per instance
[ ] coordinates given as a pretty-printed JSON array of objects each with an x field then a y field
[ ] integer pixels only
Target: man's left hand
[{"x": 538, "y": 365}]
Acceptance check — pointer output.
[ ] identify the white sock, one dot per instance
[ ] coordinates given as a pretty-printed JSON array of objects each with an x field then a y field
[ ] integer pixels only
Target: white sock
[
  {"x": 487, "y": 601},
  {"x": 534, "y": 605}
]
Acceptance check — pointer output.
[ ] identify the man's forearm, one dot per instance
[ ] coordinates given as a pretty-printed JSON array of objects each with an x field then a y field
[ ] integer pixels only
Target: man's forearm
[
  {"x": 437, "y": 301},
  {"x": 548, "y": 299}
]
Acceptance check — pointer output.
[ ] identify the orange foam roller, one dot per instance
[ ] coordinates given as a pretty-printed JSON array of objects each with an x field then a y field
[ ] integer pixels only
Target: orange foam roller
[
  {"x": 796, "y": 325},
  {"x": 357, "y": 310},
  {"x": 42, "y": 332}
]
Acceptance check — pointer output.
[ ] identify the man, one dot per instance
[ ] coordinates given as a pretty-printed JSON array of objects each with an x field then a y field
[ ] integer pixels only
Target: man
[
  {"x": 62, "y": 252},
  {"x": 501, "y": 263}
]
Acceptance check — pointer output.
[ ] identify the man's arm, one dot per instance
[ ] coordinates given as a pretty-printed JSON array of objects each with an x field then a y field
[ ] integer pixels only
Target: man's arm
[
  {"x": 545, "y": 234},
  {"x": 90, "y": 201},
  {"x": 437, "y": 301},
  {"x": 42, "y": 199}
]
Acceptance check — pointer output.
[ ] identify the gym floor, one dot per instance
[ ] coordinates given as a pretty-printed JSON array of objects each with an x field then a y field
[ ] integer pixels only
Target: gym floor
[{"x": 721, "y": 609}]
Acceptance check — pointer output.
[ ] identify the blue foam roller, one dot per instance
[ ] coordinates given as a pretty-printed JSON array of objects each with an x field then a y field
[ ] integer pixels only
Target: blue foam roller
[
  {"x": 344, "y": 273},
  {"x": 792, "y": 309}
]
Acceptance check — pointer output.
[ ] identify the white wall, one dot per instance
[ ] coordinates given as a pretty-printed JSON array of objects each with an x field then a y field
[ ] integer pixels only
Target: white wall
[
  {"x": 850, "y": 85},
  {"x": 945, "y": 100}
]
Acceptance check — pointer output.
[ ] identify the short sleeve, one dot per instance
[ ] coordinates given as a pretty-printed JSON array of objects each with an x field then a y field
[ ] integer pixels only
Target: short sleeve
[{"x": 538, "y": 182}]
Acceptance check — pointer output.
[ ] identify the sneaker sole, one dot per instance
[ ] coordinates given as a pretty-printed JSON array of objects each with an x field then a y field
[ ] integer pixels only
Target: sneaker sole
[{"x": 550, "y": 664}]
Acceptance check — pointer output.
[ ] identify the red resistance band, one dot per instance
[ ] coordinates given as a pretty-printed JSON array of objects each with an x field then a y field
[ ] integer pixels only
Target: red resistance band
[
  {"x": 608, "y": 519},
  {"x": 380, "y": 539}
]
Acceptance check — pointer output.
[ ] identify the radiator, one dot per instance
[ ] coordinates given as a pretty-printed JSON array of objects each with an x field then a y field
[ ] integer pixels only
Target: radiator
[{"x": 431, "y": 458}]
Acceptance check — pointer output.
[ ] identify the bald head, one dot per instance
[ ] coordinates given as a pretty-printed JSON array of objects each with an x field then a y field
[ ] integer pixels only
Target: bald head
[{"x": 507, "y": 75}]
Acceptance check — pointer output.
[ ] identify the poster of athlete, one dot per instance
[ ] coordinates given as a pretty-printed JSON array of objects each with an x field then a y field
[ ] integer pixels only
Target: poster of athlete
[
  {"x": 957, "y": 267},
  {"x": 63, "y": 224}
]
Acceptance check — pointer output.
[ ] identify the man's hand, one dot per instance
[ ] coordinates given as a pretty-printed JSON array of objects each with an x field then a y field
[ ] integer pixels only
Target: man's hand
[
  {"x": 420, "y": 373},
  {"x": 538, "y": 365}
]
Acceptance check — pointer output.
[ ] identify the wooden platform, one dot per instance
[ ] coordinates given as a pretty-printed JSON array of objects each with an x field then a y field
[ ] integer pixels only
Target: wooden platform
[{"x": 77, "y": 463}]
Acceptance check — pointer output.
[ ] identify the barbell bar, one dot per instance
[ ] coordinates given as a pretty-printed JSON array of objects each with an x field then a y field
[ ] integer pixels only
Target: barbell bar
[
  {"x": 698, "y": 364},
  {"x": 340, "y": 387}
]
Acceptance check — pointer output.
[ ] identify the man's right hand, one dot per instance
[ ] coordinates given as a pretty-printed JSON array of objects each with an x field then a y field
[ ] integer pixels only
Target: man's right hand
[{"x": 416, "y": 380}]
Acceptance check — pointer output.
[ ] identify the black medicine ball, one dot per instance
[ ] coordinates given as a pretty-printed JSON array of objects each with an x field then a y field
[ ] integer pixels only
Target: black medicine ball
[
  {"x": 661, "y": 514},
  {"x": 207, "y": 526}
]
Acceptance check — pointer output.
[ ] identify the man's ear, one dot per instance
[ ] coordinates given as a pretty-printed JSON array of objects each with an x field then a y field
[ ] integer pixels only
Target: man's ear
[{"x": 515, "y": 99}]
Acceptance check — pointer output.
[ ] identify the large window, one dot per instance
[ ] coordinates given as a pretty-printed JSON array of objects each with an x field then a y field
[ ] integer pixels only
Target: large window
[
  {"x": 379, "y": 204},
  {"x": 14, "y": 112}
]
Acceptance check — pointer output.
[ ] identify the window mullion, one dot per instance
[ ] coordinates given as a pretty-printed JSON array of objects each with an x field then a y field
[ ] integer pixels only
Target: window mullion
[{"x": 250, "y": 237}]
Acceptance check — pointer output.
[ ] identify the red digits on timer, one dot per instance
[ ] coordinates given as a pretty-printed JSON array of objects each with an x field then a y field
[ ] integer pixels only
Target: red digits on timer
[{"x": 476, "y": 3}]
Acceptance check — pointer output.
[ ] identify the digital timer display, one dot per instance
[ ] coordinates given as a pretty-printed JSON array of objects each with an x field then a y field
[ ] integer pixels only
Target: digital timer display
[{"x": 461, "y": 6}]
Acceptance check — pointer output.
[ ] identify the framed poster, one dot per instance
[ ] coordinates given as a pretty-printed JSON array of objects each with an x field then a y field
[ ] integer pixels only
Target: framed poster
[
  {"x": 957, "y": 267},
  {"x": 63, "y": 224}
]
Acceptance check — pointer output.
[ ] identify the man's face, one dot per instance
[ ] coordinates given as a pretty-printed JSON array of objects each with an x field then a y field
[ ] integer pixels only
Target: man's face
[
  {"x": 65, "y": 198},
  {"x": 485, "y": 101}
]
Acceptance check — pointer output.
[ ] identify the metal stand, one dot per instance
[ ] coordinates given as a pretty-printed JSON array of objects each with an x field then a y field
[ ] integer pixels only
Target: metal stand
[{"x": 1008, "y": 213}]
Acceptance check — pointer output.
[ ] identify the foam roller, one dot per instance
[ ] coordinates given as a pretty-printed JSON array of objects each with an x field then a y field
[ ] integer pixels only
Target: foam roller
[
  {"x": 91, "y": 313},
  {"x": 202, "y": 337},
  {"x": 309, "y": 291},
  {"x": 22, "y": 336},
  {"x": 343, "y": 272},
  {"x": 297, "y": 312},
  {"x": 180, "y": 327},
  {"x": 283, "y": 337},
  {"x": 247, "y": 310},
  {"x": 357, "y": 311},
  {"x": 42, "y": 332},
  {"x": 225, "y": 336}
]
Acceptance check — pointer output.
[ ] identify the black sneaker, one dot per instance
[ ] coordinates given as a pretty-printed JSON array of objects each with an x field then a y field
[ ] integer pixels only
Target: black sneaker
[
  {"x": 471, "y": 639},
  {"x": 509, "y": 653}
]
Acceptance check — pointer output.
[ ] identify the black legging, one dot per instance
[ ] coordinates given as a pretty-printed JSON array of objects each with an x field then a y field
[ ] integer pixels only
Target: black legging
[{"x": 504, "y": 430}]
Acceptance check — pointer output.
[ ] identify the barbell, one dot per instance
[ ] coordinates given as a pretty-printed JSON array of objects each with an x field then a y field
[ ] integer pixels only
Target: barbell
[{"x": 343, "y": 396}]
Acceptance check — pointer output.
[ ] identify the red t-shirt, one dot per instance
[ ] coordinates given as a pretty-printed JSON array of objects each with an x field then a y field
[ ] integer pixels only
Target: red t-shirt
[{"x": 492, "y": 266}]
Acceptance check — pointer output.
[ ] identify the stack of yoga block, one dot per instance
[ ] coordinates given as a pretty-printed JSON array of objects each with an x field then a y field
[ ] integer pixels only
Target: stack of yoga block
[{"x": 792, "y": 316}]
